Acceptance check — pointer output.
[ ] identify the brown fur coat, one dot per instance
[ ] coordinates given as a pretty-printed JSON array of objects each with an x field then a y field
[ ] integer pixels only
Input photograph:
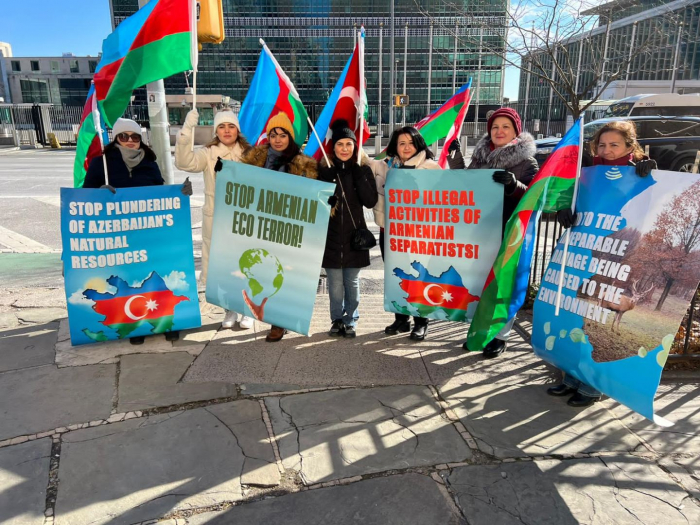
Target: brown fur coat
[{"x": 300, "y": 165}]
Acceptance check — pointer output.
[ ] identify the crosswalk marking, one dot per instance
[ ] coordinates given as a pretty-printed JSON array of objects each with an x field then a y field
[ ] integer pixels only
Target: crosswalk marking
[{"x": 18, "y": 243}]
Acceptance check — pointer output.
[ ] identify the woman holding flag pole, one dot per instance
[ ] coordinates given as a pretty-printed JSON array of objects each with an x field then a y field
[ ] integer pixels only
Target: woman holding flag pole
[{"x": 614, "y": 144}]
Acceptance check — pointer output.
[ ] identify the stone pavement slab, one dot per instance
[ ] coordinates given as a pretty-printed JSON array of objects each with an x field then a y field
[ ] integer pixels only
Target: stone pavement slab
[
  {"x": 686, "y": 470},
  {"x": 677, "y": 402},
  {"x": 593, "y": 490},
  {"x": 152, "y": 380},
  {"x": 27, "y": 346},
  {"x": 44, "y": 398},
  {"x": 344, "y": 433},
  {"x": 394, "y": 500},
  {"x": 144, "y": 468},
  {"x": 24, "y": 474},
  {"x": 517, "y": 418},
  {"x": 109, "y": 351}
]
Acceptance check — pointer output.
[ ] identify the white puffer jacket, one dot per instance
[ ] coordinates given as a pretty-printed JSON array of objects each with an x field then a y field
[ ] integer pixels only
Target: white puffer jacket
[{"x": 203, "y": 159}]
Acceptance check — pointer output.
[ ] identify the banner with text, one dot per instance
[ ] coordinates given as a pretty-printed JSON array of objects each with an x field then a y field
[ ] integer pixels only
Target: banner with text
[
  {"x": 128, "y": 262},
  {"x": 443, "y": 231},
  {"x": 632, "y": 267},
  {"x": 267, "y": 244}
]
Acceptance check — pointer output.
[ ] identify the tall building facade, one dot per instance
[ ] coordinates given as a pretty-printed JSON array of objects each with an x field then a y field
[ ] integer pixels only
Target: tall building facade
[
  {"x": 313, "y": 39},
  {"x": 650, "y": 72}
]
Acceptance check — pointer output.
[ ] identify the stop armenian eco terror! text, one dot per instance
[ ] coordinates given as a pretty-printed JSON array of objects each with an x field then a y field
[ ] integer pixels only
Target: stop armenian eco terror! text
[
  {"x": 423, "y": 223},
  {"x": 272, "y": 203}
]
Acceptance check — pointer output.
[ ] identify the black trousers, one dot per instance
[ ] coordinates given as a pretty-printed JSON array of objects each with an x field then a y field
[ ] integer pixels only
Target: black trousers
[{"x": 418, "y": 321}]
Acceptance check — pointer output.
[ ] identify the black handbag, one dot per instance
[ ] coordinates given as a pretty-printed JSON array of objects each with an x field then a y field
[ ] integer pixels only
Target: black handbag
[{"x": 362, "y": 238}]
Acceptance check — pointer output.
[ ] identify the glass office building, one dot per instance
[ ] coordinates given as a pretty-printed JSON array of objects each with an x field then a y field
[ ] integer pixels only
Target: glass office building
[{"x": 313, "y": 39}]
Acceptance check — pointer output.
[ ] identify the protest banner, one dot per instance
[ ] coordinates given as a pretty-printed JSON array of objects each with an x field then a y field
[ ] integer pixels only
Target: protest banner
[
  {"x": 267, "y": 244},
  {"x": 443, "y": 231},
  {"x": 128, "y": 262},
  {"x": 632, "y": 267}
]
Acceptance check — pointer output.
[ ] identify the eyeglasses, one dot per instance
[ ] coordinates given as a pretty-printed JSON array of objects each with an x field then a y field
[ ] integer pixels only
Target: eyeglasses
[{"x": 126, "y": 137}]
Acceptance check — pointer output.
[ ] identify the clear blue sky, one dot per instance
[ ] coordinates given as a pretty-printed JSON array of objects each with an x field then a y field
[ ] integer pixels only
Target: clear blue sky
[{"x": 50, "y": 28}]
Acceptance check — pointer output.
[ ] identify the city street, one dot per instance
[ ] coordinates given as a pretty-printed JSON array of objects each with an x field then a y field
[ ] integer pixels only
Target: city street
[{"x": 221, "y": 427}]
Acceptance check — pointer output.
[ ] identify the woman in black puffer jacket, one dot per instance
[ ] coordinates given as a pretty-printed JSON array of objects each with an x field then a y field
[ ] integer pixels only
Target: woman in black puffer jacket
[{"x": 355, "y": 190}]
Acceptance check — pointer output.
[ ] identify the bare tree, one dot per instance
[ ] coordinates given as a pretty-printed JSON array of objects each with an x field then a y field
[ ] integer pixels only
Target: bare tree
[{"x": 570, "y": 46}]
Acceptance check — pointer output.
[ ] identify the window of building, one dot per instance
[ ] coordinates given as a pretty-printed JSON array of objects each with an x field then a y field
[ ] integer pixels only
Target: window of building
[
  {"x": 55, "y": 66},
  {"x": 16, "y": 65},
  {"x": 74, "y": 66},
  {"x": 34, "y": 65},
  {"x": 92, "y": 64},
  {"x": 34, "y": 91},
  {"x": 73, "y": 90}
]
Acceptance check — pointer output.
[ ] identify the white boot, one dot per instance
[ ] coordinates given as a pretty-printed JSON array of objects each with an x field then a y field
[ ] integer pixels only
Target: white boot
[
  {"x": 229, "y": 319},
  {"x": 246, "y": 322}
]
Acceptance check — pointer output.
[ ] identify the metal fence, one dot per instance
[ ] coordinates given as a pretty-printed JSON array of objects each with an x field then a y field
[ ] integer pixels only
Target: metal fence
[{"x": 686, "y": 345}]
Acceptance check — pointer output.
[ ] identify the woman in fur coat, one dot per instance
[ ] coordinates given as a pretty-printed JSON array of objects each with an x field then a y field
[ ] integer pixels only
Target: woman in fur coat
[
  {"x": 281, "y": 153},
  {"x": 507, "y": 148}
]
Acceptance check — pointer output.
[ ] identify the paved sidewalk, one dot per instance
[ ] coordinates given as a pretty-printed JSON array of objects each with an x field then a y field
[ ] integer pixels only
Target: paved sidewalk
[{"x": 221, "y": 427}]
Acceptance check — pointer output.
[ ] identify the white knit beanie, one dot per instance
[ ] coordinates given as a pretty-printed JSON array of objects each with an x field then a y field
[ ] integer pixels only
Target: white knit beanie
[
  {"x": 126, "y": 125},
  {"x": 226, "y": 116}
]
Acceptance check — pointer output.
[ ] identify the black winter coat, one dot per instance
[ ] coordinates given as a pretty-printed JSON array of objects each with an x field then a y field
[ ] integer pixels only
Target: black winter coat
[
  {"x": 146, "y": 173},
  {"x": 516, "y": 157},
  {"x": 360, "y": 192}
]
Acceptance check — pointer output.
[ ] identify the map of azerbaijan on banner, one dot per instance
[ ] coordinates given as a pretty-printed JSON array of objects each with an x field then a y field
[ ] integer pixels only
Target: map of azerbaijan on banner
[
  {"x": 267, "y": 244},
  {"x": 633, "y": 266},
  {"x": 443, "y": 231},
  {"x": 128, "y": 262}
]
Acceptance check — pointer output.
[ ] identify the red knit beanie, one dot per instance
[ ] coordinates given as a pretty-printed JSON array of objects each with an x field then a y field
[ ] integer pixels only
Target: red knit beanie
[{"x": 509, "y": 113}]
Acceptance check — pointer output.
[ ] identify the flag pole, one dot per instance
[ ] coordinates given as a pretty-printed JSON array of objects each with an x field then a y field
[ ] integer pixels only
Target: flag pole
[
  {"x": 361, "y": 109},
  {"x": 97, "y": 117},
  {"x": 573, "y": 208},
  {"x": 194, "y": 57}
]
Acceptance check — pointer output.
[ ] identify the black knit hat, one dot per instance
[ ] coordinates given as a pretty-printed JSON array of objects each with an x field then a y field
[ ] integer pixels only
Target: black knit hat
[{"x": 341, "y": 130}]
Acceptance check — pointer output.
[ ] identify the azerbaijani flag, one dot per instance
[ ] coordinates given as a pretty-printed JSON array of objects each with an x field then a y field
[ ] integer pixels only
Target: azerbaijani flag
[
  {"x": 506, "y": 286},
  {"x": 428, "y": 293},
  {"x": 460, "y": 99},
  {"x": 157, "y": 41},
  {"x": 271, "y": 92},
  {"x": 89, "y": 144},
  {"x": 348, "y": 101},
  {"x": 129, "y": 307}
]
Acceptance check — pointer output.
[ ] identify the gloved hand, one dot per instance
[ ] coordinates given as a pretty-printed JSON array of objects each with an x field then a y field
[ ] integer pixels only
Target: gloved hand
[
  {"x": 644, "y": 167},
  {"x": 332, "y": 200},
  {"x": 454, "y": 146},
  {"x": 192, "y": 118},
  {"x": 506, "y": 178},
  {"x": 187, "y": 187},
  {"x": 108, "y": 187},
  {"x": 566, "y": 218},
  {"x": 218, "y": 166}
]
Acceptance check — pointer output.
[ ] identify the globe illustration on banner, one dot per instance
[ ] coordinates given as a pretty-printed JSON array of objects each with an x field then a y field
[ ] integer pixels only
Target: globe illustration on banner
[{"x": 264, "y": 272}]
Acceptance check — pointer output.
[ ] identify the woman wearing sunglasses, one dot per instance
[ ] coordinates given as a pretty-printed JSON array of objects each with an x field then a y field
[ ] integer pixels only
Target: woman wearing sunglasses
[{"x": 129, "y": 161}]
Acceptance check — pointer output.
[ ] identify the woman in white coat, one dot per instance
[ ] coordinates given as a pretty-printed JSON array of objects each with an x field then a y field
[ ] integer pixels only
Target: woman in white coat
[{"x": 228, "y": 144}]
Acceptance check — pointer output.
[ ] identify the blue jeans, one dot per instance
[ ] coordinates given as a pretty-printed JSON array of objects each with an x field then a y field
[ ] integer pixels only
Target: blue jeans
[
  {"x": 580, "y": 386},
  {"x": 344, "y": 294}
]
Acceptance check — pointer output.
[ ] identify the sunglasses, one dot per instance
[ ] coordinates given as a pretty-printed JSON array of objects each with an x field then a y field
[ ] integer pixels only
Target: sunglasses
[{"x": 126, "y": 137}]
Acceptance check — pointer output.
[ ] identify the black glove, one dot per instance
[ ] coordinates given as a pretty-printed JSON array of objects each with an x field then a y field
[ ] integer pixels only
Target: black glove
[
  {"x": 454, "y": 146},
  {"x": 506, "y": 178},
  {"x": 187, "y": 187},
  {"x": 566, "y": 218},
  {"x": 644, "y": 167},
  {"x": 108, "y": 187},
  {"x": 332, "y": 200},
  {"x": 218, "y": 166}
]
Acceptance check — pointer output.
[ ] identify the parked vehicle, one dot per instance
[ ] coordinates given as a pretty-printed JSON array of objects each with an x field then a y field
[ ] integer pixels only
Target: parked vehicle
[
  {"x": 673, "y": 142},
  {"x": 667, "y": 104}
]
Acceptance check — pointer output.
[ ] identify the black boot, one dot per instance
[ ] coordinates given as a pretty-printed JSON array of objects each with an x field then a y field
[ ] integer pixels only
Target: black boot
[
  {"x": 579, "y": 400},
  {"x": 420, "y": 328},
  {"x": 402, "y": 324},
  {"x": 495, "y": 348},
  {"x": 137, "y": 340},
  {"x": 560, "y": 390}
]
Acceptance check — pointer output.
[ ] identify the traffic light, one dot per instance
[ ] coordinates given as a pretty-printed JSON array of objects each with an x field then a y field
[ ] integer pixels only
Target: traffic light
[
  {"x": 210, "y": 22},
  {"x": 400, "y": 101}
]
